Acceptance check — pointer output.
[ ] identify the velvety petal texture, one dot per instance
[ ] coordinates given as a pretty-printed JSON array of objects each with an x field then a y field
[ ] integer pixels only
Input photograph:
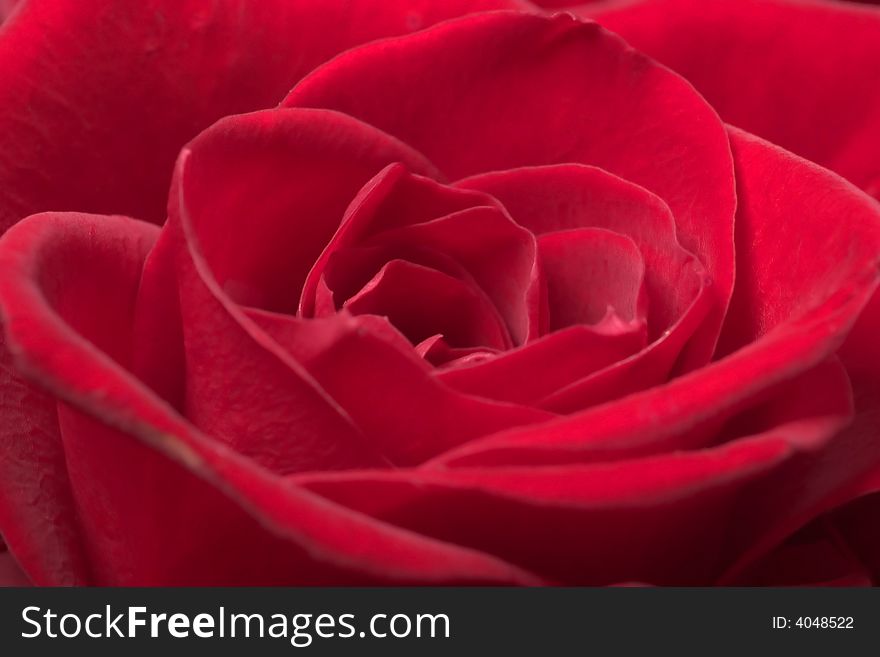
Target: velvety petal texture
[
  {"x": 37, "y": 510},
  {"x": 80, "y": 134},
  {"x": 516, "y": 107},
  {"x": 803, "y": 74},
  {"x": 10, "y": 573},
  {"x": 6, "y": 8},
  {"x": 126, "y": 517},
  {"x": 501, "y": 302}
]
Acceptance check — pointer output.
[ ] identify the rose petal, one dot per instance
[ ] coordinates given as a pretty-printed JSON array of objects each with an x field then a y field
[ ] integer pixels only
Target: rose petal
[
  {"x": 846, "y": 470},
  {"x": 266, "y": 191},
  {"x": 683, "y": 414},
  {"x": 49, "y": 485},
  {"x": 857, "y": 527},
  {"x": 264, "y": 261},
  {"x": 362, "y": 369},
  {"x": 531, "y": 373},
  {"x": 98, "y": 96},
  {"x": 348, "y": 270},
  {"x": 567, "y": 197},
  {"x": 435, "y": 350},
  {"x": 392, "y": 199},
  {"x": 554, "y": 4},
  {"x": 205, "y": 258},
  {"x": 244, "y": 391},
  {"x": 695, "y": 512},
  {"x": 798, "y": 310},
  {"x": 804, "y": 75},
  {"x": 652, "y": 366},
  {"x": 89, "y": 276},
  {"x": 10, "y": 573},
  {"x": 815, "y": 556},
  {"x": 37, "y": 511},
  {"x": 421, "y": 302},
  {"x": 591, "y": 272},
  {"x": 216, "y": 240},
  {"x": 861, "y": 355},
  {"x": 517, "y": 106},
  {"x": 6, "y": 8},
  {"x": 824, "y": 251},
  {"x": 162, "y": 503},
  {"x": 501, "y": 257}
]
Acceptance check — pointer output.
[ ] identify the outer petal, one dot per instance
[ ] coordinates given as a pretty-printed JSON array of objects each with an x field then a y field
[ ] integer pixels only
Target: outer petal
[
  {"x": 37, "y": 510},
  {"x": 857, "y": 527},
  {"x": 814, "y": 556},
  {"x": 160, "y": 502},
  {"x": 554, "y": 4},
  {"x": 10, "y": 573},
  {"x": 804, "y": 75},
  {"x": 6, "y": 7},
  {"x": 545, "y": 91},
  {"x": 98, "y": 96},
  {"x": 829, "y": 231},
  {"x": 818, "y": 94},
  {"x": 40, "y": 514},
  {"x": 669, "y": 519}
]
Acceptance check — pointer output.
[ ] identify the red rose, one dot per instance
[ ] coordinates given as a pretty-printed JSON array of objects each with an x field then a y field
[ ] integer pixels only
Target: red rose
[{"x": 503, "y": 301}]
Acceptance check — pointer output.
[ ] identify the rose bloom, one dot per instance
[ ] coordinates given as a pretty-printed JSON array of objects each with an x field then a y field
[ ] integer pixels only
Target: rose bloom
[{"x": 443, "y": 292}]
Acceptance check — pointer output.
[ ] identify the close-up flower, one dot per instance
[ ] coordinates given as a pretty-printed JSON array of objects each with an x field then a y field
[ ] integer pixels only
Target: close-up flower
[{"x": 439, "y": 292}]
